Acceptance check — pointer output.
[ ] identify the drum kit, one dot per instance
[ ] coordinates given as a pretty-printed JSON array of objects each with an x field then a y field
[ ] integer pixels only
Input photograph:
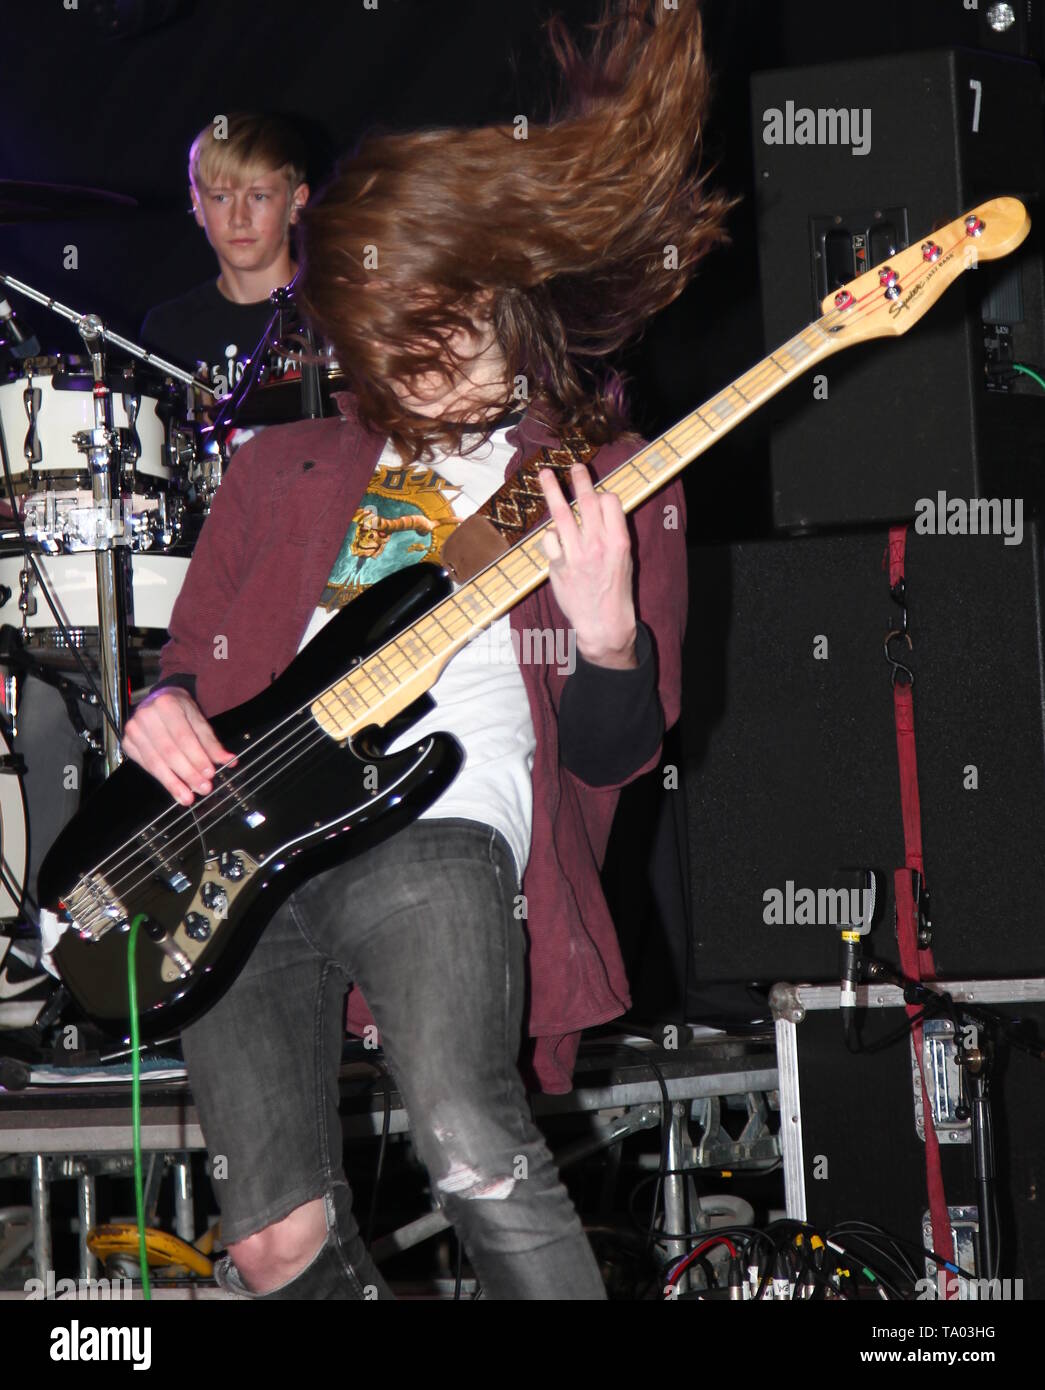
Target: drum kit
[{"x": 110, "y": 462}]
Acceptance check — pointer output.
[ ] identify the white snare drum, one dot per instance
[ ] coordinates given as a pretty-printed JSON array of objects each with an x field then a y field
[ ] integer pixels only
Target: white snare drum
[
  {"x": 156, "y": 581},
  {"x": 43, "y": 410}
]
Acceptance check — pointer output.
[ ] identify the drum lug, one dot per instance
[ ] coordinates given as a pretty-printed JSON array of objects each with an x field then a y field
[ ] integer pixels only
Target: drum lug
[
  {"x": 32, "y": 397},
  {"x": 130, "y": 444}
]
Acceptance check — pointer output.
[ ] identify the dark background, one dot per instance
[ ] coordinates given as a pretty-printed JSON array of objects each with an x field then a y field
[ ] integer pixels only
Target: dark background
[{"x": 119, "y": 112}]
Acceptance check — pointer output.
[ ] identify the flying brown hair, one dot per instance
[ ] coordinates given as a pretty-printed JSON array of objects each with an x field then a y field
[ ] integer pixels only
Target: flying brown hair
[{"x": 568, "y": 239}]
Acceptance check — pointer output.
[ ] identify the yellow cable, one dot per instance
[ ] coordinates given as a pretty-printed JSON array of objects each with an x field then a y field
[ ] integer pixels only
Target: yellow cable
[{"x": 162, "y": 1248}]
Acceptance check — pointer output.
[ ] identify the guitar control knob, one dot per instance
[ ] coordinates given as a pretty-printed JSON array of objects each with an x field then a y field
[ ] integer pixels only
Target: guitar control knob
[
  {"x": 231, "y": 866},
  {"x": 197, "y": 926},
  {"x": 215, "y": 898}
]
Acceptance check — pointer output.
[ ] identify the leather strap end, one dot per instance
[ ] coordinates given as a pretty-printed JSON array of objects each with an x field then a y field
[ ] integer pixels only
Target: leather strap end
[{"x": 474, "y": 544}]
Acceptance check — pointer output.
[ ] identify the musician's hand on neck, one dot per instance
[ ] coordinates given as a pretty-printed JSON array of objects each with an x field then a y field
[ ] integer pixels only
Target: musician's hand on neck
[{"x": 590, "y": 569}]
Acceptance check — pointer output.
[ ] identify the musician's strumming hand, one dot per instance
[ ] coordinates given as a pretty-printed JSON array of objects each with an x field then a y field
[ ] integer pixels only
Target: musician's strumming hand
[
  {"x": 170, "y": 737},
  {"x": 590, "y": 569}
]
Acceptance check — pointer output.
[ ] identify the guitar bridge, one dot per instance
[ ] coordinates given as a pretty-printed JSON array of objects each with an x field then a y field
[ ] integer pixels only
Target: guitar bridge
[{"x": 94, "y": 908}]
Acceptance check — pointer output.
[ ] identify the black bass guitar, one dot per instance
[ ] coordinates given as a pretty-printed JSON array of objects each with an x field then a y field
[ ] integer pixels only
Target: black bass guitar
[{"x": 313, "y": 785}]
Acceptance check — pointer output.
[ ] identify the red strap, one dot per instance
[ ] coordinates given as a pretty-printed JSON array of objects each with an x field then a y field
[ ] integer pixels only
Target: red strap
[{"x": 916, "y": 963}]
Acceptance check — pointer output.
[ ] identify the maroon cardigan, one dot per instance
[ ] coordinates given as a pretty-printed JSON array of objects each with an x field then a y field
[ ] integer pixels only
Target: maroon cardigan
[{"x": 259, "y": 568}]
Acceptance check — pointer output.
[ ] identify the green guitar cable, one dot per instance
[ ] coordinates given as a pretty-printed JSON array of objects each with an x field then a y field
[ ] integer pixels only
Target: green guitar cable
[
  {"x": 136, "y": 1103},
  {"x": 1028, "y": 371}
]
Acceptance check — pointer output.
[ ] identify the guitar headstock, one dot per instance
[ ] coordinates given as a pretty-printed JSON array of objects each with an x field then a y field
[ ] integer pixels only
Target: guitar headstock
[{"x": 895, "y": 295}]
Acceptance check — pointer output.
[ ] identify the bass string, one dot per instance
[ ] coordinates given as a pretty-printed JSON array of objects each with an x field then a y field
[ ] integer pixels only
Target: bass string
[
  {"x": 91, "y": 919},
  {"x": 217, "y": 807},
  {"x": 227, "y": 790}
]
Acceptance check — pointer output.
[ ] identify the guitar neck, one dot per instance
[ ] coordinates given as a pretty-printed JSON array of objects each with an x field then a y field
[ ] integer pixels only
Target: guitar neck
[{"x": 404, "y": 668}]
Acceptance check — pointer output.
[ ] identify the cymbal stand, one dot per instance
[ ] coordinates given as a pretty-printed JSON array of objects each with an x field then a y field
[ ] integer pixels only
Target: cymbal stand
[
  {"x": 99, "y": 329},
  {"x": 101, "y": 446}
]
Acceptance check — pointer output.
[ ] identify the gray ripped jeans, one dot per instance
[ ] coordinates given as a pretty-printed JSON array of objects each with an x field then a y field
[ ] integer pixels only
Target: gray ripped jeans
[{"x": 425, "y": 925}]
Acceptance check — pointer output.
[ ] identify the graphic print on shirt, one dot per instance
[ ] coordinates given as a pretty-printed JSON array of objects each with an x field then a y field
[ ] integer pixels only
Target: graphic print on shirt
[
  {"x": 404, "y": 517},
  {"x": 225, "y": 376}
]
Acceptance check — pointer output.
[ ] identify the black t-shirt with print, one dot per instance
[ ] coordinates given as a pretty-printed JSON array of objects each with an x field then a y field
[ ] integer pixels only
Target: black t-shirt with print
[{"x": 203, "y": 326}]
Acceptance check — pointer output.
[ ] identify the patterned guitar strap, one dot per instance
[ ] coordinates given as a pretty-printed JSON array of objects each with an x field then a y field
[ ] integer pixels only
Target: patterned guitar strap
[{"x": 514, "y": 510}]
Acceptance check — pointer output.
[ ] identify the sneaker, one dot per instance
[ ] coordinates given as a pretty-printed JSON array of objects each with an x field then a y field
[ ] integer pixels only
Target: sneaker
[{"x": 25, "y": 986}]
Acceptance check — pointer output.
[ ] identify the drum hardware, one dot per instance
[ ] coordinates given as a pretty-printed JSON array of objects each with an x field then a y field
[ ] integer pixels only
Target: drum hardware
[
  {"x": 257, "y": 401},
  {"x": 100, "y": 446},
  {"x": 280, "y": 402},
  {"x": 14, "y": 655},
  {"x": 107, "y": 466},
  {"x": 194, "y": 455},
  {"x": 68, "y": 580},
  {"x": 64, "y": 641},
  {"x": 197, "y": 451},
  {"x": 54, "y": 400},
  {"x": 206, "y": 468},
  {"x": 14, "y": 823},
  {"x": 311, "y": 396},
  {"x": 130, "y": 470},
  {"x": 31, "y": 450},
  {"x": 99, "y": 330},
  {"x": 50, "y": 639},
  {"x": 9, "y": 687},
  {"x": 131, "y": 445},
  {"x": 13, "y": 338},
  {"x": 228, "y": 413},
  {"x": 111, "y": 524},
  {"x": 65, "y": 523},
  {"x": 245, "y": 405},
  {"x": 26, "y": 602},
  {"x": 212, "y": 438}
]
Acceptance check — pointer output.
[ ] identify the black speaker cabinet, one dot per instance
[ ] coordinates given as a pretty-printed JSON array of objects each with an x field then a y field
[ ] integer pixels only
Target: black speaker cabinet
[
  {"x": 900, "y": 145},
  {"x": 790, "y": 749}
]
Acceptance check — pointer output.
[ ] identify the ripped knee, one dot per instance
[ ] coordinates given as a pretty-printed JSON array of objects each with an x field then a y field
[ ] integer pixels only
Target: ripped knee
[
  {"x": 463, "y": 1174},
  {"x": 276, "y": 1253},
  {"x": 471, "y": 1183}
]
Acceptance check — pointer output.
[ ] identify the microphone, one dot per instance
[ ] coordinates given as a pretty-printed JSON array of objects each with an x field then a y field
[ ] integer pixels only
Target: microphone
[
  {"x": 17, "y": 342},
  {"x": 850, "y": 967},
  {"x": 863, "y": 886}
]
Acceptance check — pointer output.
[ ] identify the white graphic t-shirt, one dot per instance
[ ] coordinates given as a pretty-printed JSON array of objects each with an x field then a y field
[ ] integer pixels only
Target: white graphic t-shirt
[{"x": 405, "y": 516}]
